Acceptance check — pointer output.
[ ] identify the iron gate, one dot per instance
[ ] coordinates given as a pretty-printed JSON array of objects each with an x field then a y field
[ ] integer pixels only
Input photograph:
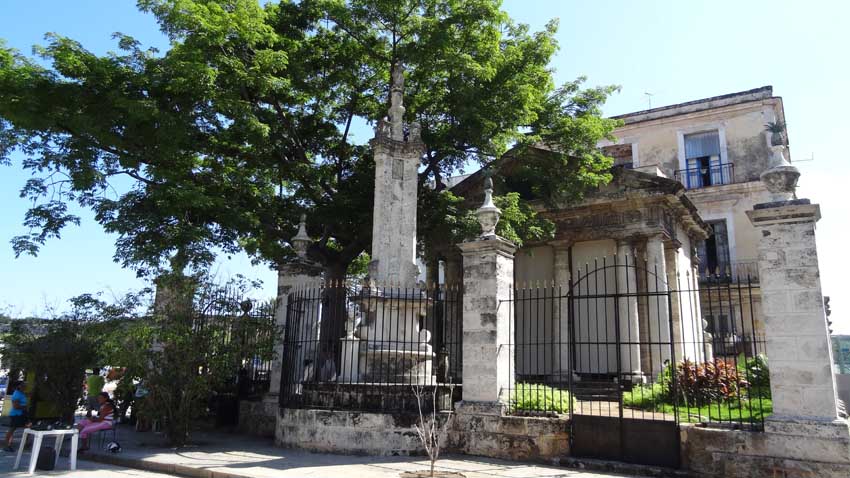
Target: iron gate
[{"x": 611, "y": 348}]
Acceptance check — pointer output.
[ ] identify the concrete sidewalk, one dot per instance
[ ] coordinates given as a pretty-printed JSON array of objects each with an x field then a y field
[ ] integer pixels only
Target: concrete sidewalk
[{"x": 219, "y": 455}]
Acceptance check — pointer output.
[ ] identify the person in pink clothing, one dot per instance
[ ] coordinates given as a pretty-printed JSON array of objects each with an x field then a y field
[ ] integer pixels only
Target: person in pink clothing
[{"x": 103, "y": 421}]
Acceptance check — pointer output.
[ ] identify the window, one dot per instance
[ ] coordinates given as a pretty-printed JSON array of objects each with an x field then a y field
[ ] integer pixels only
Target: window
[
  {"x": 704, "y": 162},
  {"x": 714, "y": 252}
]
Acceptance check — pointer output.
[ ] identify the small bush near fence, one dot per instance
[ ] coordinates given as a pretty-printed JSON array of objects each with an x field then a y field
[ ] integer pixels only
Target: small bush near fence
[
  {"x": 719, "y": 390},
  {"x": 539, "y": 398}
]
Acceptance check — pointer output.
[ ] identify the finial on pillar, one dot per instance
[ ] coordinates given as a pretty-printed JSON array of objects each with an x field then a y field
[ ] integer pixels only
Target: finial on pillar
[
  {"x": 781, "y": 178},
  {"x": 488, "y": 214},
  {"x": 301, "y": 241}
]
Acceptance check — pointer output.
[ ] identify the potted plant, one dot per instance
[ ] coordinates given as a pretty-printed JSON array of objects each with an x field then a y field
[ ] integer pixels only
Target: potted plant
[{"x": 776, "y": 129}]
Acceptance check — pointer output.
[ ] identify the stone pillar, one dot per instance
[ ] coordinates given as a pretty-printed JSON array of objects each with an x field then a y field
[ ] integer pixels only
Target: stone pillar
[
  {"x": 298, "y": 273},
  {"x": 397, "y": 155},
  {"x": 804, "y": 431},
  {"x": 488, "y": 319},
  {"x": 488, "y": 367},
  {"x": 798, "y": 344},
  {"x": 657, "y": 321},
  {"x": 561, "y": 327},
  {"x": 671, "y": 260},
  {"x": 628, "y": 312}
]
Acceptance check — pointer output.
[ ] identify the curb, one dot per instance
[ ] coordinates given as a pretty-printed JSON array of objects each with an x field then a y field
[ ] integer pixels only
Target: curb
[
  {"x": 158, "y": 467},
  {"x": 590, "y": 464}
]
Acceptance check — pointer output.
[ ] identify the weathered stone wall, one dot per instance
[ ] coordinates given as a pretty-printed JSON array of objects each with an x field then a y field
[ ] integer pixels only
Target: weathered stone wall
[
  {"x": 794, "y": 450},
  {"x": 257, "y": 417},
  {"x": 355, "y": 433},
  {"x": 478, "y": 431},
  {"x": 471, "y": 432}
]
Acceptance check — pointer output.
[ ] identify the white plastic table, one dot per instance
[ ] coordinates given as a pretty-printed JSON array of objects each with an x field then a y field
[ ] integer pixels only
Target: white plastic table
[{"x": 38, "y": 436}]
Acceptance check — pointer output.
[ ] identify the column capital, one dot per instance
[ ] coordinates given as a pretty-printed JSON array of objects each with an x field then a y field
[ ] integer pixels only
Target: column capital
[
  {"x": 565, "y": 243},
  {"x": 493, "y": 243},
  {"x": 784, "y": 212}
]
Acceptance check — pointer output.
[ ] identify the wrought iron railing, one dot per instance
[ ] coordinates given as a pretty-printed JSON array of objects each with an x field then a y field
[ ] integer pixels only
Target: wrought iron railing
[
  {"x": 366, "y": 348},
  {"x": 695, "y": 178},
  {"x": 737, "y": 271},
  {"x": 625, "y": 341}
]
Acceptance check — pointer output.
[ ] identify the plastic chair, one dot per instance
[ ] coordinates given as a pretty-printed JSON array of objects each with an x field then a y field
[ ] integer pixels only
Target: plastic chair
[{"x": 103, "y": 433}]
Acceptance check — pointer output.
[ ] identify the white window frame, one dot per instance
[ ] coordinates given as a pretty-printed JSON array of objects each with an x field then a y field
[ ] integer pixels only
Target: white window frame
[{"x": 703, "y": 128}]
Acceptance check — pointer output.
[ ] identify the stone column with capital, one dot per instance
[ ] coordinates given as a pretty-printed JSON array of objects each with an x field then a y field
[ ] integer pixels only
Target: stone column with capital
[{"x": 488, "y": 269}]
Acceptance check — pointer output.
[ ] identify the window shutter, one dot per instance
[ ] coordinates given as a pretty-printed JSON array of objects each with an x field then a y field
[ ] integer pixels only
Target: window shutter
[{"x": 702, "y": 144}]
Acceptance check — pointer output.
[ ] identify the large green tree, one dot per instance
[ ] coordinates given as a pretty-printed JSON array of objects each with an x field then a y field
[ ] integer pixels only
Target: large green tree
[{"x": 246, "y": 121}]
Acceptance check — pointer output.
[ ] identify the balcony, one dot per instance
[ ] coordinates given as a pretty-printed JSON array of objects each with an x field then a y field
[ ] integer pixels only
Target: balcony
[
  {"x": 696, "y": 178},
  {"x": 737, "y": 272}
]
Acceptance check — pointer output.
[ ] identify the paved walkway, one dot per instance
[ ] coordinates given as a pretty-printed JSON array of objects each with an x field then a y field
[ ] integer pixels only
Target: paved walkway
[{"x": 219, "y": 455}]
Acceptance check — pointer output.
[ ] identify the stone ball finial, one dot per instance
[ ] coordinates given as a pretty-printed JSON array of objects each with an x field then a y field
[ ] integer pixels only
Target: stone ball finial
[
  {"x": 488, "y": 214},
  {"x": 301, "y": 241}
]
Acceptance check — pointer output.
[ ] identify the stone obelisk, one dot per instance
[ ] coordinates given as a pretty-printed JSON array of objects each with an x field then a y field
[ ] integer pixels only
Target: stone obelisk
[
  {"x": 397, "y": 151},
  {"x": 390, "y": 347}
]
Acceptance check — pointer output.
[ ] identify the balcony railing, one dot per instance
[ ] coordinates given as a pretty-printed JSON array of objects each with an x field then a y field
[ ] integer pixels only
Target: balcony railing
[
  {"x": 736, "y": 272},
  {"x": 694, "y": 178}
]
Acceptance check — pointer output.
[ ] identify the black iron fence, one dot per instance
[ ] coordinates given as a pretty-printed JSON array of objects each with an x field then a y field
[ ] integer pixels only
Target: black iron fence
[
  {"x": 365, "y": 348},
  {"x": 737, "y": 271},
  {"x": 241, "y": 335},
  {"x": 626, "y": 340}
]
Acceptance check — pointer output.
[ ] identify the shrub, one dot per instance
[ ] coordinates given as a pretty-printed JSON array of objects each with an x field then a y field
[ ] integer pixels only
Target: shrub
[
  {"x": 706, "y": 382},
  {"x": 647, "y": 397},
  {"x": 756, "y": 371},
  {"x": 537, "y": 397}
]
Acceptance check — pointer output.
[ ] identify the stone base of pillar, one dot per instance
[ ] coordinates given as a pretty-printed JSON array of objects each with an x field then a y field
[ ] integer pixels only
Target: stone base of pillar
[
  {"x": 481, "y": 408},
  {"x": 788, "y": 447}
]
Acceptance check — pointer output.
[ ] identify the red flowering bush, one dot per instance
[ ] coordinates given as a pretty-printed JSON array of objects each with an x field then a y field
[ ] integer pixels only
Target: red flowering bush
[{"x": 706, "y": 382}]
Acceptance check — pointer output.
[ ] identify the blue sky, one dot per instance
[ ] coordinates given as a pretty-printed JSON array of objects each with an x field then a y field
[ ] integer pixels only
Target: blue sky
[{"x": 675, "y": 50}]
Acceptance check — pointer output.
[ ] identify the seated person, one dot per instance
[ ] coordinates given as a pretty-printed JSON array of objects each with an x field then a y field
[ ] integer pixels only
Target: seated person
[{"x": 103, "y": 421}]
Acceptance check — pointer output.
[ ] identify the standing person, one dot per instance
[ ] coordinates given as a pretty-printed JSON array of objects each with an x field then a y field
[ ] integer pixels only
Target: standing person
[
  {"x": 94, "y": 385},
  {"x": 104, "y": 420},
  {"x": 18, "y": 415}
]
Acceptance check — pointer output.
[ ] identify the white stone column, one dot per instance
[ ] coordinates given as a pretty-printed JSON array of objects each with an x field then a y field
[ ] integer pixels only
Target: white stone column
[
  {"x": 798, "y": 344},
  {"x": 561, "y": 325},
  {"x": 628, "y": 312},
  {"x": 671, "y": 261},
  {"x": 658, "y": 319},
  {"x": 488, "y": 322}
]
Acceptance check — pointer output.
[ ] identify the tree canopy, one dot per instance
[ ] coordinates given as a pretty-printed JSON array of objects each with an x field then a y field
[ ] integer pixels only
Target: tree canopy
[{"x": 246, "y": 122}]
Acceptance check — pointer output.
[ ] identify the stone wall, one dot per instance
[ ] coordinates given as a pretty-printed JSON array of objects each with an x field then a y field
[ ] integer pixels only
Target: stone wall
[
  {"x": 789, "y": 451},
  {"x": 355, "y": 433},
  {"x": 383, "y": 434},
  {"x": 257, "y": 417},
  {"x": 478, "y": 431}
]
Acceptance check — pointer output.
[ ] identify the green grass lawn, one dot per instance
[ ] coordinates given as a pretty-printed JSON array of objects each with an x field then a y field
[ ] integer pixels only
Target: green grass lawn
[{"x": 746, "y": 410}]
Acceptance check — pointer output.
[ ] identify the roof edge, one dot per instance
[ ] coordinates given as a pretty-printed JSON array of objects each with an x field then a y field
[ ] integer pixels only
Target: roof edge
[{"x": 756, "y": 94}]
